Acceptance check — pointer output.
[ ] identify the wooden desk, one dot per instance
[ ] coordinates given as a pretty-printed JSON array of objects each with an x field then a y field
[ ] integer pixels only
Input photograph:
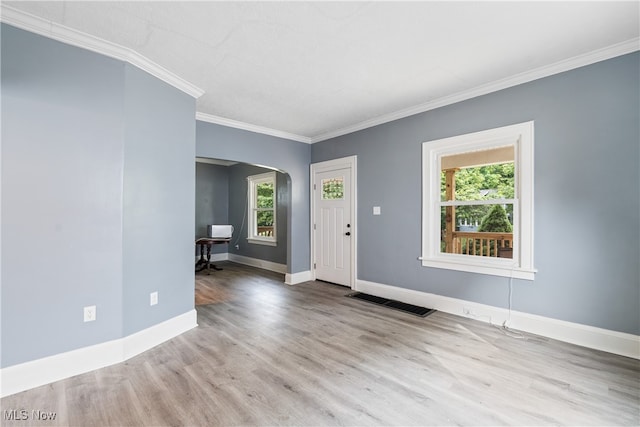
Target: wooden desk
[{"x": 208, "y": 242}]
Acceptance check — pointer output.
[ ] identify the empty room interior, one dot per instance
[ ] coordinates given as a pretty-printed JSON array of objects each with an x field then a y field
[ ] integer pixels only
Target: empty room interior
[{"x": 320, "y": 213}]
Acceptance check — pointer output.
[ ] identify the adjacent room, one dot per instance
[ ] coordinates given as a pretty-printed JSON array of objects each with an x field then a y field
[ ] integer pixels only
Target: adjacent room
[
  {"x": 320, "y": 213},
  {"x": 254, "y": 201}
]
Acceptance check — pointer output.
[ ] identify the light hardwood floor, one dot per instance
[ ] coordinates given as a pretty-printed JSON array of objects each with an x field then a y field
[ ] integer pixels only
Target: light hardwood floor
[{"x": 270, "y": 354}]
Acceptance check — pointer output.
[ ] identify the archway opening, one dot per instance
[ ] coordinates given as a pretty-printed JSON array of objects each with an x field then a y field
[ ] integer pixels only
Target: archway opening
[{"x": 260, "y": 238}]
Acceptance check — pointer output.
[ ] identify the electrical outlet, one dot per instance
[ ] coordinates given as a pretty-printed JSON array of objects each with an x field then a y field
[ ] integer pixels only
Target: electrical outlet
[
  {"x": 153, "y": 298},
  {"x": 237, "y": 247},
  {"x": 90, "y": 313}
]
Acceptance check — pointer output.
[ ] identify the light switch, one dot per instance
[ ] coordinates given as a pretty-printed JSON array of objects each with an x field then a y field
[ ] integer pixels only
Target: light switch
[{"x": 376, "y": 210}]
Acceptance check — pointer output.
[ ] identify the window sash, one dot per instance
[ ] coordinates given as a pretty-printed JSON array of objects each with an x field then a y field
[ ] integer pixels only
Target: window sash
[
  {"x": 520, "y": 136},
  {"x": 478, "y": 202},
  {"x": 254, "y": 182}
]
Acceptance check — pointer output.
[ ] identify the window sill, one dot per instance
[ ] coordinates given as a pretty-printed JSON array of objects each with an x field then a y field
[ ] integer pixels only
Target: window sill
[
  {"x": 497, "y": 269},
  {"x": 270, "y": 242}
]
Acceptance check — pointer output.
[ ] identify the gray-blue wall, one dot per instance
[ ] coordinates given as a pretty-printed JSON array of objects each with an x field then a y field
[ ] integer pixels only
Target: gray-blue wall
[
  {"x": 159, "y": 201},
  {"x": 62, "y": 167},
  {"x": 221, "y": 198},
  {"x": 98, "y": 179},
  {"x": 586, "y": 195},
  {"x": 212, "y": 199},
  {"x": 238, "y": 214},
  {"x": 221, "y": 142},
  {"x": 83, "y": 136}
]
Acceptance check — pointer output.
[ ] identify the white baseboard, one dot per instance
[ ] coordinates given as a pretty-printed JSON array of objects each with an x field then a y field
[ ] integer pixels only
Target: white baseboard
[
  {"x": 254, "y": 262},
  {"x": 587, "y": 336},
  {"x": 216, "y": 257},
  {"x": 35, "y": 373},
  {"x": 300, "y": 277},
  {"x": 290, "y": 278},
  {"x": 142, "y": 341}
]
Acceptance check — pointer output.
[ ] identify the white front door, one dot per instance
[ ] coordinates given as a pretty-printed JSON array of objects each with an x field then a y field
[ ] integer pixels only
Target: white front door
[{"x": 333, "y": 225}]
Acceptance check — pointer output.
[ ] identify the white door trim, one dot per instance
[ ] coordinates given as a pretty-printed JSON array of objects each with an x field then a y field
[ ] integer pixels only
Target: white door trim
[{"x": 342, "y": 163}]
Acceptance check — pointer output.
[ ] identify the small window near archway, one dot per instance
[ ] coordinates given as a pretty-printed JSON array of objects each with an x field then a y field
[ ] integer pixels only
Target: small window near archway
[{"x": 262, "y": 209}]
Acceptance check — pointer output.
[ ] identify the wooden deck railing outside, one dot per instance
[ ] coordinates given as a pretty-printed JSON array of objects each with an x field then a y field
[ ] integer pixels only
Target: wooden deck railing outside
[
  {"x": 265, "y": 231},
  {"x": 482, "y": 244}
]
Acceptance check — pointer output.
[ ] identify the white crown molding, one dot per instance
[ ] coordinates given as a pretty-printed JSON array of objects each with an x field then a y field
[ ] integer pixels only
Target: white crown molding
[
  {"x": 77, "y": 38},
  {"x": 210, "y": 118},
  {"x": 548, "y": 70},
  {"x": 575, "y": 333},
  {"x": 589, "y": 58},
  {"x": 73, "y": 37}
]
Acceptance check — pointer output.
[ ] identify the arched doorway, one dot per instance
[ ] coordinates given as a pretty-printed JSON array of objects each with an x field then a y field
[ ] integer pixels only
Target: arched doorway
[{"x": 222, "y": 197}]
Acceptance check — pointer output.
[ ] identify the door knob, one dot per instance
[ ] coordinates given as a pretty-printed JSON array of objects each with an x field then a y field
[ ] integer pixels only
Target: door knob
[{"x": 348, "y": 233}]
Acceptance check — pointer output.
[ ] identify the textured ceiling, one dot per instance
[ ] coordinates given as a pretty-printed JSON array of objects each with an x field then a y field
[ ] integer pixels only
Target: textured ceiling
[{"x": 314, "y": 68}]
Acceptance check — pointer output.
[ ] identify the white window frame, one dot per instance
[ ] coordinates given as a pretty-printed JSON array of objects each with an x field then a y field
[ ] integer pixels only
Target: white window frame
[
  {"x": 521, "y": 137},
  {"x": 252, "y": 182}
]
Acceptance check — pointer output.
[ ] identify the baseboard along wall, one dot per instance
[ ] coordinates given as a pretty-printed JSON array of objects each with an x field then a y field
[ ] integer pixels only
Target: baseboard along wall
[
  {"x": 290, "y": 278},
  {"x": 28, "y": 375},
  {"x": 583, "y": 335},
  {"x": 254, "y": 262},
  {"x": 296, "y": 278},
  {"x": 25, "y": 376}
]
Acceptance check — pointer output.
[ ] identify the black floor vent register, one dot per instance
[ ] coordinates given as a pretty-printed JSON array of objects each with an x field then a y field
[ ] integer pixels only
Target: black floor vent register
[{"x": 407, "y": 308}]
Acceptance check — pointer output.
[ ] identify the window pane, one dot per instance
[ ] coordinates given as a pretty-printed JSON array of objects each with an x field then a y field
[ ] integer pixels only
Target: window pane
[
  {"x": 262, "y": 207},
  {"x": 507, "y": 180},
  {"x": 264, "y": 223},
  {"x": 478, "y": 175},
  {"x": 264, "y": 194},
  {"x": 333, "y": 189},
  {"x": 485, "y": 182},
  {"x": 478, "y": 230}
]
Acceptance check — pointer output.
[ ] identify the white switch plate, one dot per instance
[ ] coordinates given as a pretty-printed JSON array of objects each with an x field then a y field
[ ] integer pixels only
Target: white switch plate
[
  {"x": 90, "y": 313},
  {"x": 153, "y": 298},
  {"x": 376, "y": 210}
]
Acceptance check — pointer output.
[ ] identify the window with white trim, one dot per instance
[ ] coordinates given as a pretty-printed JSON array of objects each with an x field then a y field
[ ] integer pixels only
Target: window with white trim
[
  {"x": 262, "y": 209},
  {"x": 478, "y": 202}
]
